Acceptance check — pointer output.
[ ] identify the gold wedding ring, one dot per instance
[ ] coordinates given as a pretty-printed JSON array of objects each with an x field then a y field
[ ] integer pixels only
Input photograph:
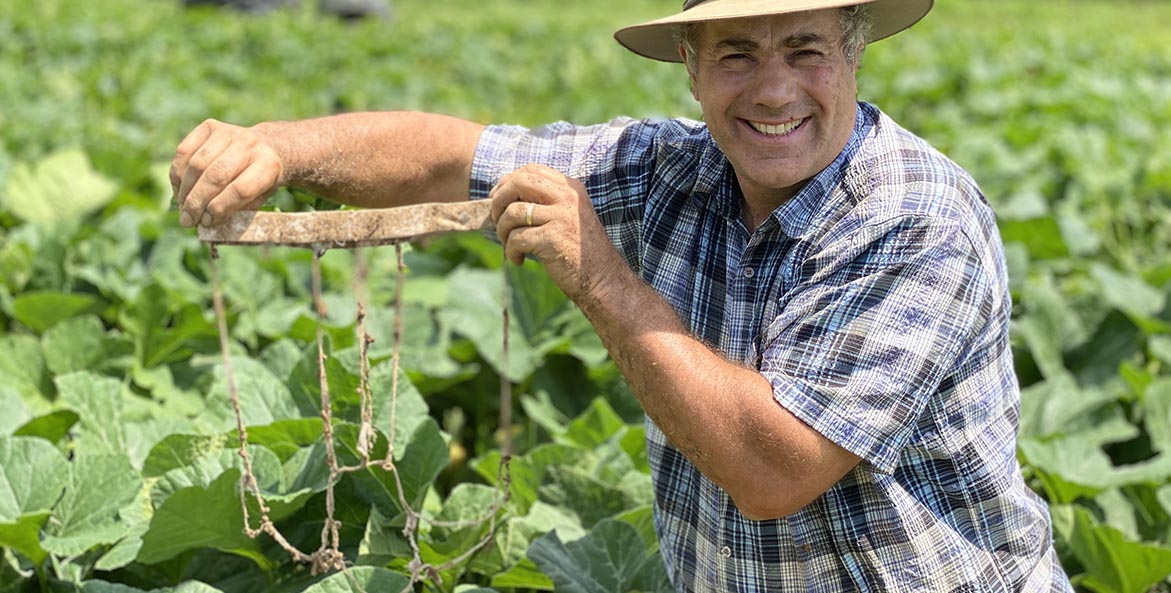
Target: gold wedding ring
[{"x": 529, "y": 215}]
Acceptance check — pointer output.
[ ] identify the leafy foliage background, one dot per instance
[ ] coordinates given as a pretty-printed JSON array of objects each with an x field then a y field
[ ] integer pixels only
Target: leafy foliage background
[{"x": 117, "y": 469}]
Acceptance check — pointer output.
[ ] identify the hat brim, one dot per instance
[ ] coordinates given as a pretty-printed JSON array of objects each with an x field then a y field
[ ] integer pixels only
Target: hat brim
[{"x": 656, "y": 39}]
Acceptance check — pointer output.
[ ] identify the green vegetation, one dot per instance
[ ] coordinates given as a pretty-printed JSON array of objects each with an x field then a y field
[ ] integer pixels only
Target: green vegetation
[{"x": 118, "y": 469}]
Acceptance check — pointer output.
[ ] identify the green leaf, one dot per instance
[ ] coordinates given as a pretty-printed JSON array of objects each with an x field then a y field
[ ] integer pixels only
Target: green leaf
[
  {"x": 1113, "y": 563},
  {"x": 1059, "y": 405},
  {"x": 184, "y": 587},
  {"x": 77, "y": 344},
  {"x": 611, "y": 558},
  {"x": 477, "y": 314},
  {"x": 467, "y": 506},
  {"x": 52, "y": 427},
  {"x": 88, "y": 513},
  {"x": 1130, "y": 294},
  {"x": 1074, "y": 466},
  {"x": 15, "y": 412},
  {"x": 1156, "y": 405},
  {"x": 514, "y": 536},
  {"x": 98, "y": 402},
  {"x": 198, "y": 517},
  {"x": 594, "y": 426},
  {"x": 61, "y": 187},
  {"x": 580, "y": 491},
  {"x": 43, "y": 309},
  {"x": 360, "y": 579},
  {"x": 24, "y": 536},
  {"x": 33, "y": 474},
  {"x": 286, "y": 437},
  {"x": 22, "y": 368},
  {"x": 527, "y": 471},
  {"x": 525, "y": 575},
  {"x": 383, "y": 541},
  {"x": 263, "y": 397},
  {"x": 418, "y": 464},
  {"x": 1041, "y": 236}
]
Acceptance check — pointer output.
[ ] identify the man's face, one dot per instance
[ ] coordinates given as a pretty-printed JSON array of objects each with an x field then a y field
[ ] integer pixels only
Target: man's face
[{"x": 778, "y": 96}]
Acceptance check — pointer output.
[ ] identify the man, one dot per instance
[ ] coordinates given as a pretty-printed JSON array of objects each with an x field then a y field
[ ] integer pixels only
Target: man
[{"x": 809, "y": 302}]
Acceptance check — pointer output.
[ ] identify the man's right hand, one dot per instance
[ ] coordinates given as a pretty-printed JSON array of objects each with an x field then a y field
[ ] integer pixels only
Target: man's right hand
[{"x": 221, "y": 168}]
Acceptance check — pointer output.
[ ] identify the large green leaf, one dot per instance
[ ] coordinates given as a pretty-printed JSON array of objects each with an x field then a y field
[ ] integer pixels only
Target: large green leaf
[
  {"x": 513, "y": 538},
  {"x": 33, "y": 474},
  {"x": 592, "y": 498},
  {"x": 465, "y": 513},
  {"x": 611, "y": 558},
  {"x": 1075, "y": 465},
  {"x": 1156, "y": 405},
  {"x": 61, "y": 187},
  {"x": 42, "y": 310},
  {"x": 22, "y": 368},
  {"x": 360, "y": 579},
  {"x": 88, "y": 513},
  {"x": 197, "y": 517},
  {"x": 1113, "y": 563},
  {"x": 594, "y": 426},
  {"x": 475, "y": 311},
  {"x": 527, "y": 472},
  {"x": 184, "y": 587},
  {"x": 98, "y": 403},
  {"x": 264, "y": 399},
  {"x": 16, "y": 413},
  {"x": 80, "y": 343},
  {"x": 418, "y": 464},
  {"x": 1131, "y": 295}
]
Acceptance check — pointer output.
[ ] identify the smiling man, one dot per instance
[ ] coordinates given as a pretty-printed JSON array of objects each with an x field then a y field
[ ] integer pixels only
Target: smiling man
[{"x": 809, "y": 301}]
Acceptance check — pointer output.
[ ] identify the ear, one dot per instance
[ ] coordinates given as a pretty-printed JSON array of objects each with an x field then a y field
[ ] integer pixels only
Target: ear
[{"x": 690, "y": 73}]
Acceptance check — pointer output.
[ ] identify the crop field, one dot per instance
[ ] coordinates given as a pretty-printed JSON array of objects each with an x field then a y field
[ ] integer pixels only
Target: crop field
[{"x": 120, "y": 464}]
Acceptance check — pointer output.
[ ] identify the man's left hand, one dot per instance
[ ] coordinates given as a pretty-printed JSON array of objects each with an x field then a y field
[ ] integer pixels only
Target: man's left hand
[{"x": 542, "y": 213}]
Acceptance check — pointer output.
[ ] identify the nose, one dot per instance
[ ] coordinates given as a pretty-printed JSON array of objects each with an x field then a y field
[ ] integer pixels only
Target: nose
[{"x": 774, "y": 84}]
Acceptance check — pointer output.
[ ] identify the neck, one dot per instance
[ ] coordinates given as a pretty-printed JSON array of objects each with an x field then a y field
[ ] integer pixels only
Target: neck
[{"x": 755, "y": 209}]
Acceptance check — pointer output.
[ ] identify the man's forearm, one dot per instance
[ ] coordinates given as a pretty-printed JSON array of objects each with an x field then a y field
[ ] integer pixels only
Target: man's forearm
[
  {"x": 721, "y": 415},
  {"x": 377, "y": 159}
]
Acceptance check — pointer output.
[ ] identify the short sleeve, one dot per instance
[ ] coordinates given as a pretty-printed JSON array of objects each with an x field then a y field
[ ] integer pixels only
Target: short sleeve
[
  {"x": 873, "y": 327},
  {"x": 580, "y": 152}
]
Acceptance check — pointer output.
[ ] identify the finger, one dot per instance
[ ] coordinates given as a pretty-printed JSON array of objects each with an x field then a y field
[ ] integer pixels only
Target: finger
[
  {"x": 201, "y": 160},
  {"x": 514, "y": 217},
  {"x": 521, "y": 243},
  {"x": 183, "y": 153},
  {"x": 527, "y": 185},
  {"x": 247, "y": 191}
]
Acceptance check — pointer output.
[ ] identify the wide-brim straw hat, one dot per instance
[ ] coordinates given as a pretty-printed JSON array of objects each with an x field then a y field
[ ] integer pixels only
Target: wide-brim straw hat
[{"x": 656, "y": 39}]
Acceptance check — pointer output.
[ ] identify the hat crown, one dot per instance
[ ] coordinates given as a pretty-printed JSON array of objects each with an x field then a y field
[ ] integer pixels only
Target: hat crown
[{"x": 656, "y": 39}]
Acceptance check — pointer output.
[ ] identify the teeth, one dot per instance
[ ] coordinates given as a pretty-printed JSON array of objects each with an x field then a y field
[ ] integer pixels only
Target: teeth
[{"x": 780, "y": 130}]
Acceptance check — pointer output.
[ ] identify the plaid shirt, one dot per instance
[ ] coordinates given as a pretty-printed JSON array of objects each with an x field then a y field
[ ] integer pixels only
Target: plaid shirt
[{"x": 876, "y": 303}]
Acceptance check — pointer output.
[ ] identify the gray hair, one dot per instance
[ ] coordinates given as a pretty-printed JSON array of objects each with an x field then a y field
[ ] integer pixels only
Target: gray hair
[{"x": 856, "y": 21}]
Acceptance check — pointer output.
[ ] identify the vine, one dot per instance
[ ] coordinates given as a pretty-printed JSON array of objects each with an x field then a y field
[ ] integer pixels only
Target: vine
[{"x": 328, "y": 556}]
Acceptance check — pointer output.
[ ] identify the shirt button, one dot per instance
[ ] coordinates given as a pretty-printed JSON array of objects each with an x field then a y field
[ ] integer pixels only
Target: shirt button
[
  {"x": 725, "y": 552},
  {"x": 749, "y": 272}
]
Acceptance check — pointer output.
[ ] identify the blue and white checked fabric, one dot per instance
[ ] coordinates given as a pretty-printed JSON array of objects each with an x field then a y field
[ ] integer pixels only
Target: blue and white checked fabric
[{"x": 876, "y": 303}]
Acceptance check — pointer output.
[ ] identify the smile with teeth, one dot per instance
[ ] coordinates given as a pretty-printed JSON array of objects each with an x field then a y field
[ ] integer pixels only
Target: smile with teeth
[{"x": 777, "y": 130}]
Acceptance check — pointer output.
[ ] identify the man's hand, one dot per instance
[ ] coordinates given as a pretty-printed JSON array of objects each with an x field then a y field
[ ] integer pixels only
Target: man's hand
[
  {"x": 219, "y": 169},
  {"x": 542, "y": 213}
]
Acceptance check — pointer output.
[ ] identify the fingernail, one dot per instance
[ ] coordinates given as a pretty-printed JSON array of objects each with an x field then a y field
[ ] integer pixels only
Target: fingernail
[
  {"x": 185, "y": 218},
  {"x": 205, "y": 220}
]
